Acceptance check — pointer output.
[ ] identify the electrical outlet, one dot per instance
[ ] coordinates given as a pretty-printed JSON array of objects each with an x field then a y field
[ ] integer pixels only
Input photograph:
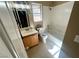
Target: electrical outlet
[{"x": 76, "y": 39}]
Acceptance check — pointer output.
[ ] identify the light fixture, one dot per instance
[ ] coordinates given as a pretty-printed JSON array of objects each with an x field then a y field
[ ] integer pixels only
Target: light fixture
[
  {"x": 27, "y": 7},
  {"x": 21, "y": 6}
]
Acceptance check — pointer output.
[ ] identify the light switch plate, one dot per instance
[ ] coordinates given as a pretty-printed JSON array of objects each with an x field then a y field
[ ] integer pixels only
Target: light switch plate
[{"x": 76, "y": 39}]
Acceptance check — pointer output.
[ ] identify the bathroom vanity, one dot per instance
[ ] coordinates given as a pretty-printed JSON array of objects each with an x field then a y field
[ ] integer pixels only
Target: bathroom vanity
[{"x": 30, "y": 37}]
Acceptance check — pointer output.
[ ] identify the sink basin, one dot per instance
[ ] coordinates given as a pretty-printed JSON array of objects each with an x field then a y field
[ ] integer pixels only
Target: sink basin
[{"x": 26, "y": 32}]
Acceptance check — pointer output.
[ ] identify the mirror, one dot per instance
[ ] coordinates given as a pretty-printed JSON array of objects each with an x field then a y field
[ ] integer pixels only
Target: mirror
[{"x": 20, "y": 11}]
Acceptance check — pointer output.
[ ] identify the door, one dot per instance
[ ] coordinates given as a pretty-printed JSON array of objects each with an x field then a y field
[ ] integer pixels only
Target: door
[
  {"x": 12, "y": 36},
  {"x": 6, "y": 47},
  {"x": 4, "y": 52}
]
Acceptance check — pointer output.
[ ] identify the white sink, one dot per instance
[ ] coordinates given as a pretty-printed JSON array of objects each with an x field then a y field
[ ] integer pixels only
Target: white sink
[{"x": 25, "y": 32}]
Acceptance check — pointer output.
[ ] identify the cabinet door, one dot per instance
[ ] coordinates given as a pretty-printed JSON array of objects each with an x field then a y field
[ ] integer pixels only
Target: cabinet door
[
  {"x": 31, "y": 40},
  {"x": 34, "y": 40},
  {"x": 27, "y": 41}
]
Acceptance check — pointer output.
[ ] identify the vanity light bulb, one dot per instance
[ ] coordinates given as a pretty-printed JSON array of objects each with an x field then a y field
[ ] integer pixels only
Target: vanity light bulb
[{"x": 27, "y": 7}]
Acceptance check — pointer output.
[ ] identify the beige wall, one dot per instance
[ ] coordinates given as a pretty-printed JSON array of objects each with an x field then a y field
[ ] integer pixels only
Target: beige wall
[
  {"x": 59, "y": 19},
  {"x": 46, "y": 16},
  {"x": 70, "y": 47}
]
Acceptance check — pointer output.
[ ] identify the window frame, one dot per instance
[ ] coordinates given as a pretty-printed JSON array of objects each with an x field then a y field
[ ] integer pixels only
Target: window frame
[{"x": 37, "y": 13}]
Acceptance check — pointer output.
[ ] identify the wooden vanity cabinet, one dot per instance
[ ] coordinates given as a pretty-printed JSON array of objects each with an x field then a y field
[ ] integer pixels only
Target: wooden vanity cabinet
[{"x": 31, "y": 40}]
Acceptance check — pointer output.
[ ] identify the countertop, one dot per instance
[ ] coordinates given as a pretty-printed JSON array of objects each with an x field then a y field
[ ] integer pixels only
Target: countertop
[{"x": 28, "y": 32}]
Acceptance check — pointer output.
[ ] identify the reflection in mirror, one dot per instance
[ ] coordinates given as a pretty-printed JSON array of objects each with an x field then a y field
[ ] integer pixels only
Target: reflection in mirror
[{"x": 20, "y": 11}]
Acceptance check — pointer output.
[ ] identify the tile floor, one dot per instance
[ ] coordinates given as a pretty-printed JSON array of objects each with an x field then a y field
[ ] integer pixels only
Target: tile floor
[
  {"x": 39, "y": 51},
  {"x": 53, "y": 45},
  {"x": 50, "y": 49}
]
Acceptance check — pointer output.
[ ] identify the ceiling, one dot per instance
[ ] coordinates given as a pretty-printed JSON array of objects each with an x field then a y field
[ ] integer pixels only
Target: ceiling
[{"x": 50, "y": 3}]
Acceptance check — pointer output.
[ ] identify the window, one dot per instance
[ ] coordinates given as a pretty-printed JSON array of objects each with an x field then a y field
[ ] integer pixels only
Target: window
[{"x": 37, "y": 12}]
